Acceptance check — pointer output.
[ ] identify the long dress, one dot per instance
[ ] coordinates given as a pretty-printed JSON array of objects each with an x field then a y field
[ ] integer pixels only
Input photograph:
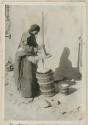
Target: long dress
[{"x": 25, "y": 70}]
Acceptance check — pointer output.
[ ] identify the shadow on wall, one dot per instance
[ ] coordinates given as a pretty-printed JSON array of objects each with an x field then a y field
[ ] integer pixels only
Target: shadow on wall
[{"x": 65, "y": 71}]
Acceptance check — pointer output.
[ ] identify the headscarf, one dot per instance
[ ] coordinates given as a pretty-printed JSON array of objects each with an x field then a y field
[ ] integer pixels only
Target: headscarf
[{"x": 34, "y": 27}]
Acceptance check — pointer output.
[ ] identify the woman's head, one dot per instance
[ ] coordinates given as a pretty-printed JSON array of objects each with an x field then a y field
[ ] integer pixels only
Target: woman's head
[{"x": 34, "y": 29}]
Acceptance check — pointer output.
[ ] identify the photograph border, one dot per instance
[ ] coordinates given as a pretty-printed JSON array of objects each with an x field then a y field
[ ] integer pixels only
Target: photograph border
[{"x": 84, "y": 70}]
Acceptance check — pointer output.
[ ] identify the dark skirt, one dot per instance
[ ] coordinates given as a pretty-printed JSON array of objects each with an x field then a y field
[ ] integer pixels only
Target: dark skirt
[{"x": 25, "y": 77}]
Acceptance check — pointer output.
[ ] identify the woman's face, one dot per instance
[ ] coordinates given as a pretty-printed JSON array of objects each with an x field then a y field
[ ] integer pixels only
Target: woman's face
[{"x": 35, "y": 32}]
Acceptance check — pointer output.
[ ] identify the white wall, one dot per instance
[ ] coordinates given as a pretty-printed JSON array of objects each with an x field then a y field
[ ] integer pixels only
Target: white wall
[{"x": 63, "y": 26}]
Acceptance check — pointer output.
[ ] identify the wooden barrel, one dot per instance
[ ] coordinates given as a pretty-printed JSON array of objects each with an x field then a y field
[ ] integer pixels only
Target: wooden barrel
[{"x": 46, "y": 83}]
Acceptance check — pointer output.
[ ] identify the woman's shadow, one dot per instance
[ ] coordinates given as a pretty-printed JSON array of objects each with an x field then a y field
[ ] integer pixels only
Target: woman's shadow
[{"x": 65, "y": 71}]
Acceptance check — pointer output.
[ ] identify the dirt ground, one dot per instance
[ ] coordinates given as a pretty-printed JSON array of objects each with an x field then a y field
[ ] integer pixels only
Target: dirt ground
[{"x": 58, "y": 107}]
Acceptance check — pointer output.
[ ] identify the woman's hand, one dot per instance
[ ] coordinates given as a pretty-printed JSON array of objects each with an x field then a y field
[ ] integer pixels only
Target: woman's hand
[{"x": 35, "y": 50}]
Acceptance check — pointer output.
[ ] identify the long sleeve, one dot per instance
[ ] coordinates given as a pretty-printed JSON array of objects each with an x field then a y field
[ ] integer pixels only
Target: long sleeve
[
  {"x": 28, "y": 46},
  {"x": 21, "y": 53},
  {"x": 24, "y": 43}
]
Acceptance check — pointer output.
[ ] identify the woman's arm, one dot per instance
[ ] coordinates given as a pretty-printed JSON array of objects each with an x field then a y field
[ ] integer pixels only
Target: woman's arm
[
  {"x": 35, "y": 59},
  {"x": 26, "y": 47},
  {"x": 21, "y": 53},
  {"x": 23, "y": 43}
]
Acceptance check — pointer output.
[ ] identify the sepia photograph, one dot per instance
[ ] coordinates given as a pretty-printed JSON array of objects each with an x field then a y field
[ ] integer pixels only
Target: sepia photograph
[{"x": 44, "y": 77}]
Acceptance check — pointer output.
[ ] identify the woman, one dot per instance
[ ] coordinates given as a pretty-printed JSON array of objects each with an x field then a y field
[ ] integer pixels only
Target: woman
[{"x": 25, "y": 63}]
